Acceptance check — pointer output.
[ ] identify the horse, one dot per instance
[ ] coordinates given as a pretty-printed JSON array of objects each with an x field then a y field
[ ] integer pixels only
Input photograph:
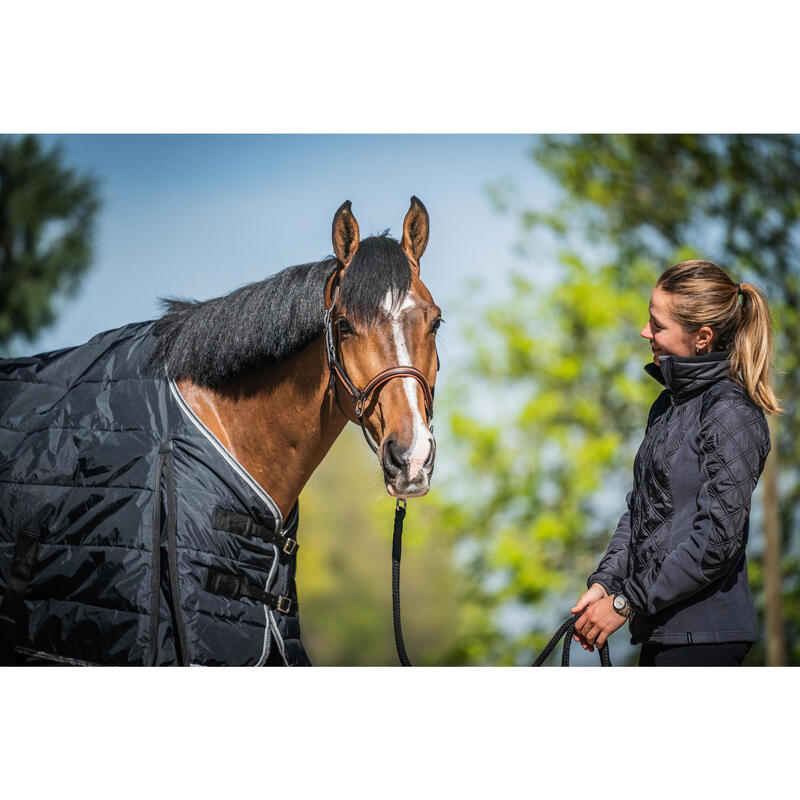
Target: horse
[{"x": 149, "y": 479}]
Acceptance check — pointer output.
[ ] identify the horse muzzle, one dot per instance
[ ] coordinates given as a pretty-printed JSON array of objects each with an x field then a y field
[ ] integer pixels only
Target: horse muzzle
[{"x": 407, "y": 470}]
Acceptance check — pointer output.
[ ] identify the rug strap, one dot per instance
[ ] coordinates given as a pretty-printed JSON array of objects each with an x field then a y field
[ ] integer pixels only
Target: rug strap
[
  {"x": 228, "y": 585},
  {"x": 241, "y": 524}
]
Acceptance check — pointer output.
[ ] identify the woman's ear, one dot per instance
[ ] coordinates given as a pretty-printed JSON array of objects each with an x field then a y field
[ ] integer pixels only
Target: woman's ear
[
  {"x": 345, "y": 235},
  {"x": 702, "y": 343}
]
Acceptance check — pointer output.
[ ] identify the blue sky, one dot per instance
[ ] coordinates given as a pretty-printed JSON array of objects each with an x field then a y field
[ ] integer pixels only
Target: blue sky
[{"x": 197, "y": 216}]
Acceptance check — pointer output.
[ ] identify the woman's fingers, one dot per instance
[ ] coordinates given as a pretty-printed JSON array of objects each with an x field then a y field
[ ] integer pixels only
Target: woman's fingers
[
  {"x": 598, "y": 623},
  {"x": 583, "y": 601},
  {"x": 594, "y": 593},
  {"x": 581, "y": 642},
  {"x": 591, "y": 634}
]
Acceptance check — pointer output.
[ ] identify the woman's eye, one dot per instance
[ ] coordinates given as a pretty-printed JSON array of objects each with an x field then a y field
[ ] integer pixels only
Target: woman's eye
[{"x": 437, "y": 322}]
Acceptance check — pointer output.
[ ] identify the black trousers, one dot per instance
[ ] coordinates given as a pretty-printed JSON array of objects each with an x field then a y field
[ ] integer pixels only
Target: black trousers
[{"x": 727, "y": 654}]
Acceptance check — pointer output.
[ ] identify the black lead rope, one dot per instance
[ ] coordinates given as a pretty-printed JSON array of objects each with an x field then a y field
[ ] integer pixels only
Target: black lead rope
[
  {"x": 566, "y": 629},
  {"x": 397, "y": 551}
]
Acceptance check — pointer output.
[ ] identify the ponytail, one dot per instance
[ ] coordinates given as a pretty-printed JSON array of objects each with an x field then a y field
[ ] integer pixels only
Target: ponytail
[
  {"x": 701, "y": 293},
  {"x": 751, "y": 351}
]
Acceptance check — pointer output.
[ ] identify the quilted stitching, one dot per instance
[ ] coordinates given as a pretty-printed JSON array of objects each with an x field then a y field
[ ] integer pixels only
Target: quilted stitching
[
  {"x": 702, "y": 425},
  {"x": 733, "y": 448}
]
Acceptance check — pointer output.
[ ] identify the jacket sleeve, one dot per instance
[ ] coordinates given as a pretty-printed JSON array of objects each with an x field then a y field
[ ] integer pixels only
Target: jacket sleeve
[
  {"x": 733, "y": 444},
  {"x": 613, "y": 565}
]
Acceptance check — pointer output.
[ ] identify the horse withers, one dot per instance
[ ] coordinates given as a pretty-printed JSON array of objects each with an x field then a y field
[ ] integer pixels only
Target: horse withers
[{"x": 149, "y": 478}]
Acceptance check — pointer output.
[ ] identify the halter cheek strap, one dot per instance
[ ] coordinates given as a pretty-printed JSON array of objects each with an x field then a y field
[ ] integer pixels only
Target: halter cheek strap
[{"x": 361, "y": 399}]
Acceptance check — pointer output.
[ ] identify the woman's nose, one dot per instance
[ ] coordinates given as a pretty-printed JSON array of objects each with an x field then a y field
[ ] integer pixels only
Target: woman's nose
[{"x": 646, "y": 332}]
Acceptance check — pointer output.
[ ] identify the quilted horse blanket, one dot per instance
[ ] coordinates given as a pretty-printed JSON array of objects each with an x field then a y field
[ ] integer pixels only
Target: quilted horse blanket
[{"x": 128, "y": 534}]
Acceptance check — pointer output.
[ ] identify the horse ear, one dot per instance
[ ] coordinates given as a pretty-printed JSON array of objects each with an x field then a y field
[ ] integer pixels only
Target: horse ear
[
  {"x": 416, "y": 227},
  {"x": 345, "y": 234}
]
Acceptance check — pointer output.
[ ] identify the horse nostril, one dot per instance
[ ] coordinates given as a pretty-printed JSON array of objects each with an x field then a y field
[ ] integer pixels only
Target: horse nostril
[
  {"x": 431, "y": 454},
  {"x": 394, "y": 456}
]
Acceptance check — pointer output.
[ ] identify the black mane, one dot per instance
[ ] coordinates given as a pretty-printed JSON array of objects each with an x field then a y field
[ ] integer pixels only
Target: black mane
[{"x": 263, "y": 323}]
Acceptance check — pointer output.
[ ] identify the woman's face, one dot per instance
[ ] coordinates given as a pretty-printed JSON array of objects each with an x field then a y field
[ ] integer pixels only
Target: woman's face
[{"x": 666, "y": 336}]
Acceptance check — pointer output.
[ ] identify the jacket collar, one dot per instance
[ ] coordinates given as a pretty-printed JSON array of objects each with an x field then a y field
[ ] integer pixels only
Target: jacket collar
[{"x": 686, "y": 377}]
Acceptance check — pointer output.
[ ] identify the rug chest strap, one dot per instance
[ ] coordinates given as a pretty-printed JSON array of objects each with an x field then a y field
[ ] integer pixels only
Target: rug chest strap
[
  {"x": 241, "y": 524},
  {"x": 13, "y": 599},
  {"x": 231, "y": 586}
]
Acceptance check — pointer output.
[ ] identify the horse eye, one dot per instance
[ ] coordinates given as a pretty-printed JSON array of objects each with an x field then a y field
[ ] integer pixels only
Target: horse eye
[
  {"x": 436, "y": 323},
  {"x": 345, "y": 328}
]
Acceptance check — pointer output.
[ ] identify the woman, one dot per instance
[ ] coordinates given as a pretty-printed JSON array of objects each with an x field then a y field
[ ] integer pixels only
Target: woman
[{"x": 676, "y": 568}]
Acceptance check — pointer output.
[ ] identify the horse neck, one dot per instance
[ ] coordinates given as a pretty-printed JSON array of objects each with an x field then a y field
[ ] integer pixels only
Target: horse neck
[{"x": 277, "y": 422}]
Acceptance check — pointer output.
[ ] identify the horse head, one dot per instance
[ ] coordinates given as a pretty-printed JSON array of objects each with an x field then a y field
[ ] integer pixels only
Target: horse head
[{"x": 381, "y": 324}]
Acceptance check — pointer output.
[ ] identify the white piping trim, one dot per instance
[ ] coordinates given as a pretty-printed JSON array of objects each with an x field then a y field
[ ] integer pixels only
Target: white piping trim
[
  {"x": 223, "y": 451},
  {"x": 269, "y": 621},
  {"x": 266, "y": 648},
  {"x": 278, "y": 638}
]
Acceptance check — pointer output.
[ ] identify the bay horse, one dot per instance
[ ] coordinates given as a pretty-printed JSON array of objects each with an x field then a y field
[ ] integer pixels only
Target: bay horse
[{"x": 149, "y": 479}]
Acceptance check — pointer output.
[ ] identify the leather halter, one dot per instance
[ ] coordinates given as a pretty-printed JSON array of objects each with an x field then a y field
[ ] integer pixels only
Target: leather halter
[{"x": 361, "y": 399}]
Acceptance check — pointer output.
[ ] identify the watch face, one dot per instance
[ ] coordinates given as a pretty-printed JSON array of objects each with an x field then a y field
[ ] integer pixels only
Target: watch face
[{"x": 619, "y": 602}]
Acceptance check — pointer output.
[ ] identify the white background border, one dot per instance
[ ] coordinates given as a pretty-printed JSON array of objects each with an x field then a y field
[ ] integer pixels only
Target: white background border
[{"x": 410, "y": 67}]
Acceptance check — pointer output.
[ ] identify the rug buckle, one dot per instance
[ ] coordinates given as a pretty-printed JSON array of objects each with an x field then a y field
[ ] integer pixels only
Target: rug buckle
[
  {"x": 289, "y": 547},
  {"x": 284, "y": 604}
]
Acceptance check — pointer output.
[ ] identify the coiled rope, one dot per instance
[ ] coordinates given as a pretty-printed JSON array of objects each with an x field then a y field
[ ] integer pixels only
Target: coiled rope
[{"x": 566, "y": 629}]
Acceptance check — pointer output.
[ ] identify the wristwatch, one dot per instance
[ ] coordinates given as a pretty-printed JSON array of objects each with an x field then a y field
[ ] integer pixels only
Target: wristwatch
[{"x": 622, "y": 606}]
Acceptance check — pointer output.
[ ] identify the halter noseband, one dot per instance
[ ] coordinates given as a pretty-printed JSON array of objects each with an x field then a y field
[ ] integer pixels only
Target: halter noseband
[{"x": 362, "y": 398}]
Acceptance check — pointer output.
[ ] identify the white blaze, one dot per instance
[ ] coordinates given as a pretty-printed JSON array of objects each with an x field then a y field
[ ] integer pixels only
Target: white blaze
[{"x": 423, "y": 440}]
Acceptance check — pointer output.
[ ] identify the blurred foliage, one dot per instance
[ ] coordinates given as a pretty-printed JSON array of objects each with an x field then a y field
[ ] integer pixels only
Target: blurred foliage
[
  {"x": 47, "y": 216},
  {"x": 547, "y": 479},
  {"x": 560, "y": 365}
]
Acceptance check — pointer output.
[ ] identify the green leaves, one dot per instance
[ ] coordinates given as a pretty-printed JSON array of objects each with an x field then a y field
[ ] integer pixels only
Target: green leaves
[
  {"x": 560, "y": 366},
  {"x": 561, "y": 370}
]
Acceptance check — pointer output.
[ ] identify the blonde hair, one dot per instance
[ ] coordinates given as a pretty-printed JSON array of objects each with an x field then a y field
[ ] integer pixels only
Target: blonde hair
[{"x": 702, "y": 293}]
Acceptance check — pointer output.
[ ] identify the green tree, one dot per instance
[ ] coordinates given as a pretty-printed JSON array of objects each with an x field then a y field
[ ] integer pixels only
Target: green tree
[
  {"x": 547, "y": 465},
  {"x": 554, "y": 471},
  {"x": 47, "y": 213}
]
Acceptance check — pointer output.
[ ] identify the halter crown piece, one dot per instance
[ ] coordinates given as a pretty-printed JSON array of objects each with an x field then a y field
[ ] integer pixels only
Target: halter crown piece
[{"x": 361, "y": 399}]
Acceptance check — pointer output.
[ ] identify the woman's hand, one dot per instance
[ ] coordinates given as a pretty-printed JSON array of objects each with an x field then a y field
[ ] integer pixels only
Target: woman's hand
[
  {"x": 598, "y": 622},
  {"x": 596, "y": 592}
]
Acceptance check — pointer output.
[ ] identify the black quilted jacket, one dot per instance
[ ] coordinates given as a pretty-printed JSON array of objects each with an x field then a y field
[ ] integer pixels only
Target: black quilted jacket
[{"x": 678, "y": 553}]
